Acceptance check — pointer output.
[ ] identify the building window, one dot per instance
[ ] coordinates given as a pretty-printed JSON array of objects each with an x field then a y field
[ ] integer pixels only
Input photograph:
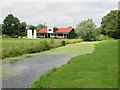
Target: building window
[
  {"x": 49, "y": 29},
  {"x": 52, "y": 34},
  {"x": 60, "y": 34}
]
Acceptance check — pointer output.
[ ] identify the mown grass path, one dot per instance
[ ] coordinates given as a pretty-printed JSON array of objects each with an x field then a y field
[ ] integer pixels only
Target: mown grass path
[
  {"x": 96, "y": 70},
  {"x": 22, "y": 73}
]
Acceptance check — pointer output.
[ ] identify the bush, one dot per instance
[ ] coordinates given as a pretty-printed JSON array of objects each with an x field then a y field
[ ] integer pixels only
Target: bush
[
  {"x": 55, "y": 37},
  {"x": 102, "y": 37},
  {"x": 12, "y": 52},
  {"x": 52, "y": 43},
  {"x": 63, "y": 43},
  {"x": 46, "y": 45},
  {"x": 87, "y": 30}
]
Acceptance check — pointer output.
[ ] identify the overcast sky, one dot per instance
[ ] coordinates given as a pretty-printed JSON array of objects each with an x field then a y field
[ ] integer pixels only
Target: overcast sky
[{"x": 60, "y": 14}]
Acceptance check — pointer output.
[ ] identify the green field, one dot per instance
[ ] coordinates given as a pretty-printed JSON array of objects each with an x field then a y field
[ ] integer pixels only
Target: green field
[
  {"x": 15, "y": 48},
  {"x": 96, "y": 70},
  {"x": 13, "y": 42}
]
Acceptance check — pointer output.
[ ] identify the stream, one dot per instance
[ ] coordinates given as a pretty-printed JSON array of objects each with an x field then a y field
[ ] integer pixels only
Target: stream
[{"x": 22, "y": 73}]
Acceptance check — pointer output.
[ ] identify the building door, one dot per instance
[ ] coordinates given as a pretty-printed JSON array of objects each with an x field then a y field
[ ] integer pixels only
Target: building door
[
  {"x": 45, "y": 35},
  {"x": 48, "y": 35}
]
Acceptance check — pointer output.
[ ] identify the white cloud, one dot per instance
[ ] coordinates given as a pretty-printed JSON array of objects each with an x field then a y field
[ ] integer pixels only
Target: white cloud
[{"x": 61, "y": 14}]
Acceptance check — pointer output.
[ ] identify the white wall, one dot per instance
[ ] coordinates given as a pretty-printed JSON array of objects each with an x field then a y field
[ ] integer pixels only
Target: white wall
[
  {"x": 29, "y": 34},
  {"x": 35, "y": 34},
  {"x": 49, "y": 31}
]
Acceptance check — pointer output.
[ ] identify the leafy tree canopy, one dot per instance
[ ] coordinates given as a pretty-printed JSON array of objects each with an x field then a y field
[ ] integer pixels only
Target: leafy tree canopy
[
  {"x": 86, "y": 29},
  {"x": 11, "y": 26},
  {"x": 55, "y": 28},
  {"x": 110, "y": 24},
  {"x": 39, "y": 26},
  {"x": 23, "y": 25},
  {"x": 32, "y": 27},
  {"x": 0, "y": 29},
  {"x": 23, "y": 31}
]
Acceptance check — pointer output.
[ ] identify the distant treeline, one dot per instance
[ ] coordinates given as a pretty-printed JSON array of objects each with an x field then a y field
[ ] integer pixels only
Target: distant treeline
[{"x": 86, "y": 29}]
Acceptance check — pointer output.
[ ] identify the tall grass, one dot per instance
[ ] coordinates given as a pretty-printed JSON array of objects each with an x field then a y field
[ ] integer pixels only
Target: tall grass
[{"x": 17, "y": 47}]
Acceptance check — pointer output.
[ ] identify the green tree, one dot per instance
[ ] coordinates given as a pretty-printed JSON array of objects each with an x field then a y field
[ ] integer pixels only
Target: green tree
[
  {"x": 55, "y": 28},
  {"x": 23, "y": 26},
  {"x": 0, "y": 29},
  {"x": 11, "y": 26},
  {"x": 86, "y": 29},
  {"x": 32, "y": 27},
  {"x": 110, "y": 24},
  {"x": 39, "y": 26}
]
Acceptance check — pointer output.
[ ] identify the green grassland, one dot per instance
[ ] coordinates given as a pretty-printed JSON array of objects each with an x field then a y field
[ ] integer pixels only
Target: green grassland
[
  {"x": 12, "y": 42},
  {"x": 15, "y": 48},
  {"x": 96, "y": 70}
]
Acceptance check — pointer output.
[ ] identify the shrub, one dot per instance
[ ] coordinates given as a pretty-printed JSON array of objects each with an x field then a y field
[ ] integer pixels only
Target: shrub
[
  {"x": 63, "y": 43},
  {"x": 31, "y": 49},
  {"x": 102, "y": 37},
  {"x": 46, "y": 45},
  {"x": 52, "y": 43},
  {"x": 11, "y": 52},
  {"x": 86, "y": 29},
  {"x": 55, "y": 37}
]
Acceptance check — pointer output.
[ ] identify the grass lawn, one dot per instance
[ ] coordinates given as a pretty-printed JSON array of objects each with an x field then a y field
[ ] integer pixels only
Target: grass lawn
[{"x": 96, "y": 70}]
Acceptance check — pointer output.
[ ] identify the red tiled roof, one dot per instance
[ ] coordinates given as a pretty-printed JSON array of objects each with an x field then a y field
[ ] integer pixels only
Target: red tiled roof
[
  {"x": 63, "y": 30},
  {"x": 43, "y": 30},
  {"x": 60, "y": 30}
]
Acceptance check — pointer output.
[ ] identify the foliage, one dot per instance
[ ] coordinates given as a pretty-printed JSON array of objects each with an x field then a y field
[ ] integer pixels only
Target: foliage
[
  {"x": 110, "y": 24},
  {"x": 23, "y": 26},
  {"x": 102, "y": 37},
  {"x": 72, "y": 34},
  {"x": 11, "y": 26},
  {"x": 63, "y": 43},
  {"x": 86, "y": 29},
  {"x": 0, "y": 29},
  {"x": 55, "y": 28},
  {"x": 96, "y": 70},
  {"x": 32, "y": 27},
  {"x": 39, "y": 26}
]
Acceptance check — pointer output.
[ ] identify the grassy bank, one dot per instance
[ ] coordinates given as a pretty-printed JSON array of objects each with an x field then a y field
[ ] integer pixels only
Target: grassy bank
[
  {"x": 12, "y": 47},
  {"x": 96, "y": 70}
]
